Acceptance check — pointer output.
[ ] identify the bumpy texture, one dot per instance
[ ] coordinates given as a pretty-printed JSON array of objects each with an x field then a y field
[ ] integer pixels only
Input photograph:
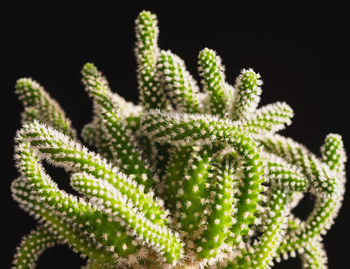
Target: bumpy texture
[{"x": 185, "y": 179}]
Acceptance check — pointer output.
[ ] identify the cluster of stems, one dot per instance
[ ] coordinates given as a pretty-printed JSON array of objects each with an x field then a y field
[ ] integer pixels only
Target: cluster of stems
[{"x": 191, "y": 177}]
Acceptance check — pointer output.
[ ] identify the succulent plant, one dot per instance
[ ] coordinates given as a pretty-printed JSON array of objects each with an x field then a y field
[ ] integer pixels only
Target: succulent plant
[{"x": 187, "y": 178}]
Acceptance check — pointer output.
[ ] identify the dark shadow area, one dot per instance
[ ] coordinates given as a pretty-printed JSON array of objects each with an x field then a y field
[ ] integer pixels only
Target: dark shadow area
[
  {"x": 291, "y": 263},
  {"x": 61, "y": 177},
  {"x": 58, "y": 257},
  {"x": 305, "y": 206}
]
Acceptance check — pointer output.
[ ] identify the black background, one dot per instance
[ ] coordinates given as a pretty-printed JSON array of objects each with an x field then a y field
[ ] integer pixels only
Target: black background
[{"x": 301, "y": 53}]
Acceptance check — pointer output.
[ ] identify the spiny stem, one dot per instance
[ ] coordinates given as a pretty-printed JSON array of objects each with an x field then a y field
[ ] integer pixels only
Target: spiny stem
[{"x": 42, "y": 107}]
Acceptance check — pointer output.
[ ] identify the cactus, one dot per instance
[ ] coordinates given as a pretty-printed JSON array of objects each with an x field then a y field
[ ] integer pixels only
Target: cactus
[{"x": 184, "y": 179}]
